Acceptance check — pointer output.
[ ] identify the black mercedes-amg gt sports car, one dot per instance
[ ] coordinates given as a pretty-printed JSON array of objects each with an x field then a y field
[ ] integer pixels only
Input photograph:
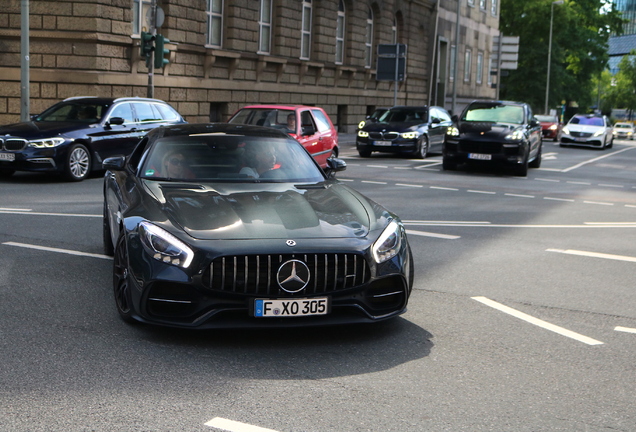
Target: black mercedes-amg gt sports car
[{"x": 218, "y": 225}]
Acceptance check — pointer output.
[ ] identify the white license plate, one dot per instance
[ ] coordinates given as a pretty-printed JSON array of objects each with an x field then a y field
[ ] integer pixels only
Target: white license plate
[
  {"x": 479, "y": 156},
  {"x": 580, "y": 139},
  {"x": 382, "y": 143},
  {"x": 7, "y": 157},
  {"x": 291, "y": 307}
]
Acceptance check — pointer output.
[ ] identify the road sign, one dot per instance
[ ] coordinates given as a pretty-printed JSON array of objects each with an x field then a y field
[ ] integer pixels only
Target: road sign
[
  {"x": 388, "y": 56},
  {"x": 506, "y": 55}
]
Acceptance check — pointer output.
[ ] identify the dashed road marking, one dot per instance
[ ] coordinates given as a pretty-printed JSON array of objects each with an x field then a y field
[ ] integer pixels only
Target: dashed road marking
[
  {"x": 625, "y": 329},
  {"x": 234, "y": 426},
  {"x": 50, "y": 249},
  {"x": 430, "y": 234},
  {"x": 593, "y": 254}
]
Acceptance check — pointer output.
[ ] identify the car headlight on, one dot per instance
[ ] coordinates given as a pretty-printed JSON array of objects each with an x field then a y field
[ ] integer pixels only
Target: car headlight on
[
  {"x": 388, "y": 244},
  {"x": 361, "y": 124},
  {"x": 363, "y": 134},
  {"x": 47, "y": 142},
  {"x": 599, "y": 132},
  {"x": 452, "y": 131},
  {"x": 553, "y": 127},
  {"x": 163, "y": 246},
  {"x": 565, "y": 130},
  {"x": 614, "y": 132},
  {"x": 410, "y": 135},
  {"x": 515, "y": 136}
]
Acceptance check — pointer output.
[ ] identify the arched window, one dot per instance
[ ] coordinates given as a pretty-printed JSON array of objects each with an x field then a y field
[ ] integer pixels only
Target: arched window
[
  {"x": 394, "y": 31},
  {"x": 214, "y": 11},
  {"x": 340, "y": 33},
  {"x": 265, "y": 27},
  {"x": 305, "y": 36},
  {"x": 368, "y": 40}
]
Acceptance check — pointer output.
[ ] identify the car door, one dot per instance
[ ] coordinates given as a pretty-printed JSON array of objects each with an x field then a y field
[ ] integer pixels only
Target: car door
[
  {"x": 309, "y": 137},
  {"x": 116, "y": 137},
  {"x": 327, "y": 132},
  {"x": 436, "y": 129},
  {"x": 535, "y": 134}
]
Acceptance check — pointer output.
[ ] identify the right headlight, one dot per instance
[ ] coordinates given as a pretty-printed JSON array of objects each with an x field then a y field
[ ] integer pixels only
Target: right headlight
[
  {"x": 363, "y": 134},
  {"x": 452, "y": 131},
  {"x": 388, "y": 244},
  {"x": 163, "y": 246},
  {"x": 46, "y": 143},
  {"x": 565, "y": 130}
]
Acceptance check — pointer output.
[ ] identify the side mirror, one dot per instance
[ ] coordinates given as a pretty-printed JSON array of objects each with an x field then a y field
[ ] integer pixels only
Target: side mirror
[
  {"x": 436, "y": 121},
  {"x": 455, "y": 118},
  {"x": 534, "y": 122},
  {"x": 335, "y": 165},
  {"x": 115, "y": 121},
  {"x": 115, "y": 163}
]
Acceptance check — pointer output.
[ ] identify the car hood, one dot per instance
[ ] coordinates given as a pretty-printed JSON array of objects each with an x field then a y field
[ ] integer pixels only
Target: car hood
[
  {"x": 266, "y": 211},
  {"x": 486, "y": 131},
  {"x": 391, "y": 126},
  {"x": 35, "y": 130}
]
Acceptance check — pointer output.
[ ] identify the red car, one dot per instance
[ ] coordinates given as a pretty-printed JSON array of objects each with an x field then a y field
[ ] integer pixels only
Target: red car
[
  {"x": 550, "y": 126},
  {"x": 309, "y": 125}
]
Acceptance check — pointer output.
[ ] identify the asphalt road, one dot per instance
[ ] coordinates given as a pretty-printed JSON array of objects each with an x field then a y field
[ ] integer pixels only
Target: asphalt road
[{"x": 523, "y": 316}]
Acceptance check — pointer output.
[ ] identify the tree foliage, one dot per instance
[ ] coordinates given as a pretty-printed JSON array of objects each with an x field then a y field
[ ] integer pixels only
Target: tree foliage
[
  {"x": 619, "y": 91},
  {"x": 579, "y": 49}
]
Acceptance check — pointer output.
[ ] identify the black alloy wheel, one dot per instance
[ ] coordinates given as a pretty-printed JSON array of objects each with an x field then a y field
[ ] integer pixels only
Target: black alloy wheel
[
  {"x": 521, "y": 170},
  {"x": 536, "y": 163},
  {"x": 364, "y": 153},
  {"x": 78, "y": 163},
  {"x": 121, "y": 281},
  {"x": 422, "y": 148}
]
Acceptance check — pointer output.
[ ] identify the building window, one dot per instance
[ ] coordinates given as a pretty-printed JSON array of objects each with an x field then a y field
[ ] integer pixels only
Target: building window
[
  {"x": 482, "y": 5},
  {"x": 471, "y": 3},
  {"x": 305, "y": 37},
  {"x": 394, "y": 31},
  {"x": 215, "y": 23},
  {"x": 468, "y": 58},
  {"x": 340, "y": 33},
  {"x": 140, "y": 9},
  {"x": 493, "y": 7},
  {"x": 368, "y": 41},
  {"x": 480, "y": 67},
  {"x": 490, "y": 68},
  {"x": 265, "y": 27},
  {"x": 451, "y": 69}
]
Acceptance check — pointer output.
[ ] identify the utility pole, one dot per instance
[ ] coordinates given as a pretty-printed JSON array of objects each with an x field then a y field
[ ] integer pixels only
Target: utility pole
[
  {"x": 25, "y": 95},
  {"x": 151, "y": 66}
]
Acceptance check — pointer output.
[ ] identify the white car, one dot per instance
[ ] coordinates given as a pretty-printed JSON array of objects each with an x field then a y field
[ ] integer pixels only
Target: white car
[
  {"x": 624, "y": 130},
  {"x": 588, "y": 130}
]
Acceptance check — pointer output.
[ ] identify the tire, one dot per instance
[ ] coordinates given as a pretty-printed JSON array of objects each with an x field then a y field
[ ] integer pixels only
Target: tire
[
  {"x": 422, "y": 148},
  {"x": 536, "y": 163},
  {"x": 521, "y": 170},
  {"x": 448, "y": 164},
  {"x": 109, "y": 249},
  {"x": 6, "y": 173},
  {"x": 78, "y": 163},
  {"x": 364, "y": 153},
  {"x": 611, "y": 143},
  {"x": 121, "y": 281}
]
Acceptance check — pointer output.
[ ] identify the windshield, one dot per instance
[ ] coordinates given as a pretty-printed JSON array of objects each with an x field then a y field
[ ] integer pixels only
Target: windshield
[
  {"x": 84, "y": 112},
  {"x": 283, "y": 119},
  {"x": 623, "y": 126},
  {"x": 547, "y": 118},
  {"x": 220, "y": 157},
  {"x": 408, "y": 115},
  {"x": 496, "y": 113},
  {"x": 587, "y": 121}
]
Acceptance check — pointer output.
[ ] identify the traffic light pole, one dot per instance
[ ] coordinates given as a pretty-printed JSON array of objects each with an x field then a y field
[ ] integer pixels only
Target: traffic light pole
[
  {"x": 151, "y": 66},
  {"x": 25, "y": 92}
]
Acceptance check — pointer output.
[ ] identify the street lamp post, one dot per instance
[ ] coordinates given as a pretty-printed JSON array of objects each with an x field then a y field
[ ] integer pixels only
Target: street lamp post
[{"x": 547, "y": 84}]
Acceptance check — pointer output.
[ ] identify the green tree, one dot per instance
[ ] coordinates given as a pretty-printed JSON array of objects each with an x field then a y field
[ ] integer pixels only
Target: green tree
[
  {"x": 579, "y": 49},
  {"x": 620, "y": 92}
]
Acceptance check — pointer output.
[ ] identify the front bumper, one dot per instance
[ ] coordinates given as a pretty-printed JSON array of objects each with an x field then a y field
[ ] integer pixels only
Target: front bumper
[
  {"x": 33, "y": 159},
  {"x": 461, "y": 150},
  {"x": 398, "y": 145},
  {"x": 582, "y": 139}
]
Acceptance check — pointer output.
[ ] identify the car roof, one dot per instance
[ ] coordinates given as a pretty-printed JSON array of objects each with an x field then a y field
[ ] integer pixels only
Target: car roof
[
  {"x": 110, "y": 100},
  {"x": 500, "y": 102},
  {"x": 274, "y": 106},
  {"x": 219, "y": 129}
]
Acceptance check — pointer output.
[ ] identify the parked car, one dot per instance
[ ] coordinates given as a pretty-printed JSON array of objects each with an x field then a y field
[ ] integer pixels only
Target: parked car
[
  {"x": 494, "y": 132},
  {"x": 412, "y": 130},
  {"x": 205, "y": 245},
  {"x": 75, "y": 135},
  {"x": 550, "y": 126},
  {"x": 588, "y": 130},
  {"x": 623, "y": 130},
  {"x": 311, "y": 126},
  {"x": 374, "y": 117}
]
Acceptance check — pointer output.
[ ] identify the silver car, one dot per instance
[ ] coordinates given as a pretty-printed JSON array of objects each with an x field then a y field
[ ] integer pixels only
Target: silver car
[{"x": 588, "y": 130}]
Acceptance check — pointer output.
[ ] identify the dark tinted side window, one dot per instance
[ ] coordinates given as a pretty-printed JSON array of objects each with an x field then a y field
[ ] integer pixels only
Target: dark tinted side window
[{"x": 145, "y": 113}]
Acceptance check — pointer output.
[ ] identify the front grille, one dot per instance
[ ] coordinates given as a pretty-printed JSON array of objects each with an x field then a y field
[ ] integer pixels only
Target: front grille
[
  {"x": 256, "y": 274},
  {"x": 581, "y": 134},
  {"x": 383, "y": 135},
  {"x": 480, "y": 147},
  {"x": 14, "y": 144}
]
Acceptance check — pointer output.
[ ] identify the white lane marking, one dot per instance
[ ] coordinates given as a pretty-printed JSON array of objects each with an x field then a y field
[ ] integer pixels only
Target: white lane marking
[
  {"x": 609, "y": 223},
  {"x": 547, "y": 180},
  {"x": 593, "y": 254},
  {"x": 374, "y": 182},
  {"x": 625, "y": 329},
  {"x": 377, "y": 166},
  {"x": 409, "y": 185},
  {"x": 599, "y": 203},
  {"x": 50, "y": 249},
  {"x": 14, "y": 209},
  {"x": 50, "y": 214},
  {"x": 346, "y": 180},
  {"x": 594, "y": 160},
  {"x": 611, "y": 185},
  {"x": 481, "y": 192},
  {"x": 416, "y": 222},
  {"x": 491, "y": 225},
  {"x": 536, "y": 321},
  {"x": 558, "y": 199},
  {"x": 430, "y": 234},
  {"x": 402, "y": 168},
  {"x": 234, "y": 426},
  {"x": 444, "y": 188},
  {"x": 630, "y": 205},
  {"x": 579, "y": 183},
  {"x": 519, "y": 195}
]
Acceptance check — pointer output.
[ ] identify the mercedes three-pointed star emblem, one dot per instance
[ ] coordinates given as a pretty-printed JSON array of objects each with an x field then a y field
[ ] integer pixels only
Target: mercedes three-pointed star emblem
[{"x": 293, "y": 276}]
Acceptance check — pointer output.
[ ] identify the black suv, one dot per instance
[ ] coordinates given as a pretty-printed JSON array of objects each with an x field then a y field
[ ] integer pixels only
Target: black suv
[
  {"x": 73, "y": 136},
  {"x": 494, "y": 132}
]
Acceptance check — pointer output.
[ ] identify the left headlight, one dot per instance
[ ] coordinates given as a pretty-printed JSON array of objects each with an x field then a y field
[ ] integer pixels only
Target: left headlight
[
  {"x": 599, "y": 132},
  {"x": 363, "y": 134},
  {"x": 361, "y": 124},
  {"x": 410, "y": 135},
  {"x": 452, "y": 131},
  {"x": 163, "y": 246},
  {"x": 47, "y": 142},
  {"x": 388, "y": 244},
  {"x": 515, "y": 136}
]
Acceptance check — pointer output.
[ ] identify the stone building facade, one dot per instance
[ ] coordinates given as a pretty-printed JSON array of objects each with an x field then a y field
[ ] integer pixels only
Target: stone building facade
[{"x": 228, "y": 53}]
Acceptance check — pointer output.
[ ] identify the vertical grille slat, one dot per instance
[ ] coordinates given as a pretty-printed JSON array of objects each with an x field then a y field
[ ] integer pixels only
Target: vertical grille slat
[{"x": 256, "y": 274}]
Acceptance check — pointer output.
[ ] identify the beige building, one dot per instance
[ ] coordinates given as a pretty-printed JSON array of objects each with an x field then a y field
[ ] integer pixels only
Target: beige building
[{"x": 228, "y": 53}]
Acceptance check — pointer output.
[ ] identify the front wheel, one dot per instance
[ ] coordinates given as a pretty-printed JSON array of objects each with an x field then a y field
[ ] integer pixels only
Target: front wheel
[
  {"x": 521, "y": 170},
  {"x": 364, "y": 153},
  {"x": 78, "y": 163},
  {"x": 121, "y": 281},
  {"x": 448, "y": 164},
  {"x": 536, "y": 163},
  {"x": 422, "y": 148}
]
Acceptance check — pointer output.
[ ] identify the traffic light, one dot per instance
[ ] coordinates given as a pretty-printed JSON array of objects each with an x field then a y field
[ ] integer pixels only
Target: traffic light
[
  {"x": 147, "y": 46},
  {"x": 161, "y": 51}
]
